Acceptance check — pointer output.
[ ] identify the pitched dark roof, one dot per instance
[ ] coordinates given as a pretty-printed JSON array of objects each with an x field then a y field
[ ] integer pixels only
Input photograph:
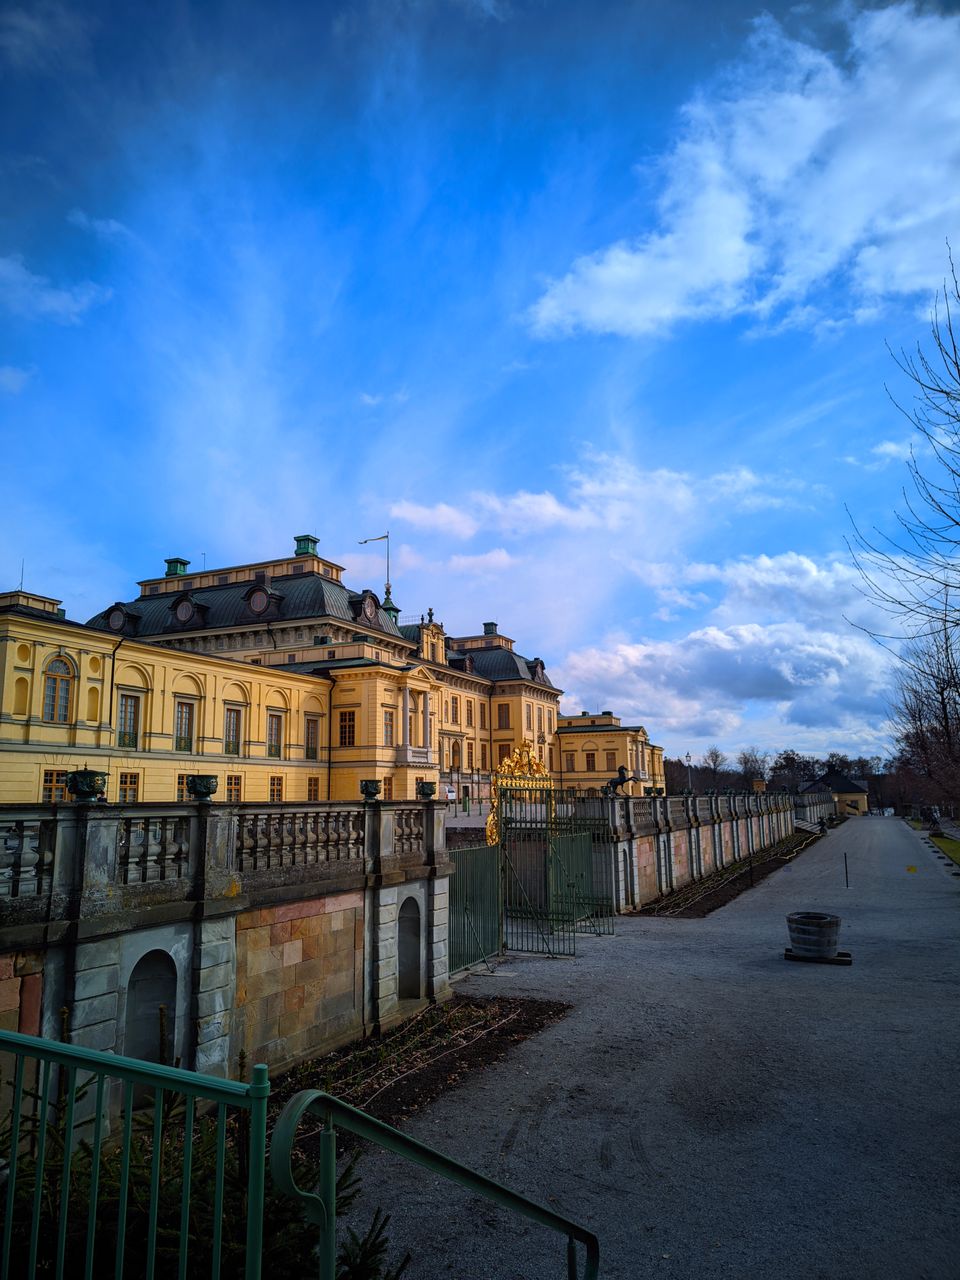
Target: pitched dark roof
[
  {"x": 496, "y": 663},
  {"x": 307, "y": 595},
  {"x": 834, "y": 781}
]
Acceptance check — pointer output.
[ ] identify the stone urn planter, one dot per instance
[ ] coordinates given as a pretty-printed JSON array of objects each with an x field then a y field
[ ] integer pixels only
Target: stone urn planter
[
  {"x": 86, "y": 784},
  {"x": 426, "y": 790},
  {"x": 814, "y": 935},
  {"x": 369, "y": 788},
  {"x": 201, "y": 786}
]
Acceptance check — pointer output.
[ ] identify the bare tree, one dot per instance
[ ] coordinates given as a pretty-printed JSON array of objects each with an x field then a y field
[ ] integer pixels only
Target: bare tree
[
  {"x": 927, "y": 710},
  {"x": 915, "y": 575},
  {"x": 714, "y": 760},
  {"x": 753, "y": 763}
]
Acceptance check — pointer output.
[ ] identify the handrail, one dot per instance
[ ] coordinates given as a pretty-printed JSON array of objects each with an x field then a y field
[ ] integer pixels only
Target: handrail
[
  {"x": 321, "y": 1208},
  {"x": 252, "y": 1098}
]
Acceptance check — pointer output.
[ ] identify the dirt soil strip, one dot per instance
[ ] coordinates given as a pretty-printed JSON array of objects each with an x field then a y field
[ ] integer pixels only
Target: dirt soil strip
[{"x": 398, "y": 1074}]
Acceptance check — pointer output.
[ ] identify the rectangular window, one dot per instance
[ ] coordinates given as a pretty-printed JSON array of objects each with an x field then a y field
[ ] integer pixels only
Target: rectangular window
[
  {"x": 528, "y": 716},
  {"x": 611, "y": 757},
  {"x": 591, "y": 765},
  {"x": 274, "y": 735},
  {"x": 231, "y": 731},
  {"x": 311, "y": 738},
  {"x": 291, "y": 657},
  {"x": 469, "y": 755},
  {"x": 454, "y": 710},
  {"x": 503, "y": 715},
  {"x": 276, "y": 789},
  {"x": 503, "y": 751},
  {"x": 468, "y": 703},
  {"x": 483, "y": 715},
  {"x": 550, "y": 758},
  {"x": 539, "y": 719},
  {"x": 388, "y": 788},
  {"x": 182, "y": 793},
  {"x": 183, "y": 727},
  {"x": 54, "y": 786},
  {"x": 234, "y": 788},
  {"x": 433, "y": 651},
  {"x": 128, "y": 720},
  {"x": 549, "y": 720},
  {"x": 313, "y": 789},
  {"x": 129, "y": 789},
  {"x": 570, "y": 761},
  {"x": 348, "y": 728},
  {"x": 331, "y": 653},
  {"x": 483, "y": 756},
  {"x": 388, "y": 732}
]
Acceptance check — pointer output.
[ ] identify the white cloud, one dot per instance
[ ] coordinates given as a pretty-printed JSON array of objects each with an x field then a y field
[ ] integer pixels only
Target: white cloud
[
  {"x": 13, "y": 380},
  {"x": 496, "y": 561},
  {"x": 439, "y": 518},
  {"x": 104, "y": 228},
  {"x": 373, "y": 401},
  {"x": 797, "y": 169},
  {"x": 33, "y": 296}
]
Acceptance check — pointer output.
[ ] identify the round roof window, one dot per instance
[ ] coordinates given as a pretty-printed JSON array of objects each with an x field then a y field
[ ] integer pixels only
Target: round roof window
[
  {"x": 116, "y": 619},
  {"x": 185, "y": 611},
  {"x": 259, "y": 601}
]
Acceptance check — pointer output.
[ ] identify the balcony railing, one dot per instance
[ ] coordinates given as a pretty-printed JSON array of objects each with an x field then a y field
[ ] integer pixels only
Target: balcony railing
[
  {"x": 273, "y": 750},
  {"x": 126, "y": 739},
  {"x": 310, "y": 752},
  {"x": 181, "y": 743},
  {"x": 231, "y": 747}
]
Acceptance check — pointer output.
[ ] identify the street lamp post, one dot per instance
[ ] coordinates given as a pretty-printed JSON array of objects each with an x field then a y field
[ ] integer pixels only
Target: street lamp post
[{"x": 689, "y": 775}]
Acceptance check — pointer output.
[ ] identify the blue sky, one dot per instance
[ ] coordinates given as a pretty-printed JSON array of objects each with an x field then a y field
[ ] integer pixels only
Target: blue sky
[{"x": 588, "y": 304}]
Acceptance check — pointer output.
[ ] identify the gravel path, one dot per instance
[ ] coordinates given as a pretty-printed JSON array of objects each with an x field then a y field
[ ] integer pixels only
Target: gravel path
[{"x": 711, "y": 1110}]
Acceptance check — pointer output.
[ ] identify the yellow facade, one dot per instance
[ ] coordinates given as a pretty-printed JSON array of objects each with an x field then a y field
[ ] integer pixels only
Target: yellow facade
[
  {"x": 284, "y": 685},
  {"x": 594, "y": 747}
]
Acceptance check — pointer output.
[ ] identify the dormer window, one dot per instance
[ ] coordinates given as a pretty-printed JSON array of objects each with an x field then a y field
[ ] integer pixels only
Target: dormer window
[
  {"x": 258, "y": 601},
  {"x": 185, "y": 610}
]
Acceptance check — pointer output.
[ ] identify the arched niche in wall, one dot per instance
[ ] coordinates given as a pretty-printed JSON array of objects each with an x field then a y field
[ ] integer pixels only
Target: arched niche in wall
[
  {"x": 21, "y": 696},
  {"x": 151, "y": 1009},
  {"x": 408, "y": 951},
  {"x": 93, "y": 704}
]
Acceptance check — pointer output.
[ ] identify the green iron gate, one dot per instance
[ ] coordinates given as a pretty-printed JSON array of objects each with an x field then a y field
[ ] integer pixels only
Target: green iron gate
[
  {"x": 558, "y": 879},
  {"x": 476, "y": 906},
  {"x": 550, "y": 877}
]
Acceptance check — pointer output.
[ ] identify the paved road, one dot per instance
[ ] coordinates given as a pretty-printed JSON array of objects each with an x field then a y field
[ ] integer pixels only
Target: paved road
[{"x": 711, "y": 1110}]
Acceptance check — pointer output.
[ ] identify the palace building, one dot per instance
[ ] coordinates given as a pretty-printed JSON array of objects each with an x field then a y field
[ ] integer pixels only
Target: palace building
[{"x": 285, "y": 685}]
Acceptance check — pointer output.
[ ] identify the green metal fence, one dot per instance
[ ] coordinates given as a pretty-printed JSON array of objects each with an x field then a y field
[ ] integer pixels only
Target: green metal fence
[
  {"x": 321, "y": 1208},
  {"x": 117, "y": 1167},
  {"x": 476, "y": 906}
]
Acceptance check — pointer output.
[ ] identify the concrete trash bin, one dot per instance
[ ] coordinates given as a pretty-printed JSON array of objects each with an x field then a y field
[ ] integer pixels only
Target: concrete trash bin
[{"x": 814, "y": 934}]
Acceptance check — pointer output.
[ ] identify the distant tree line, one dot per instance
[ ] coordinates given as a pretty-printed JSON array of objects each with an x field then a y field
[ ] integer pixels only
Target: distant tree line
[{"x": 716, "y": 771}]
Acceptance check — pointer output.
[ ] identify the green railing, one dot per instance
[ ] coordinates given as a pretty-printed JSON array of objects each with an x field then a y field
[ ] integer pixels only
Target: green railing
[
  {"x": 80, "y": 1119},
  {"x": 321, "y": 1208}
]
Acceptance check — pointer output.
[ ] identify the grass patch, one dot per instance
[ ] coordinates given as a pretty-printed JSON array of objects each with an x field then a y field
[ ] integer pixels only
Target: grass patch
[
  {"x": 915, "y": 823},
  {"x": 950, "y": 847}
]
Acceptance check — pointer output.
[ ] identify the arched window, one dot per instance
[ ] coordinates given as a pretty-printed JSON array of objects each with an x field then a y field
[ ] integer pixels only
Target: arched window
[{"x": 57, "y": 691}]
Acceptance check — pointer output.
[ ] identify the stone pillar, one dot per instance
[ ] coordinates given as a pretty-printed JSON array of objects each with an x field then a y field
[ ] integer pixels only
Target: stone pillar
[{"x": 214, "y": 994}]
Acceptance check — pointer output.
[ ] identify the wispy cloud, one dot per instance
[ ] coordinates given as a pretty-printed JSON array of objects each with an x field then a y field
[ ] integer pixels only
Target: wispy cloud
[
  {"x": 496, "y": 561},
  {"x": 869, "y": 133},
  {"x": 373, "y": 400},
  {"x": 440, "y": 518},
  {"x": 40, "y": 36},
  {"x": 36, "y": 297},
  {"x": 13, "y": 380},
  {"x": 104, "y": 228}
]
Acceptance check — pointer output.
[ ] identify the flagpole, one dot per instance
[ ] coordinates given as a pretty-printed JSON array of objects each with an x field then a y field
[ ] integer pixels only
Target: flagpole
[{"x": 384, "y": 537}]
